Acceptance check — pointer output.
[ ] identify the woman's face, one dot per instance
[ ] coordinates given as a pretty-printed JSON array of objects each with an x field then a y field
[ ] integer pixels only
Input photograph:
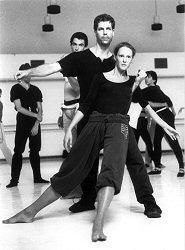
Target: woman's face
[{"x": 124, "y": 58}]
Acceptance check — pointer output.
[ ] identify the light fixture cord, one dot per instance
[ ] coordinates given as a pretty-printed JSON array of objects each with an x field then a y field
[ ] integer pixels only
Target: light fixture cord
[{"x": 156, "y": 7}]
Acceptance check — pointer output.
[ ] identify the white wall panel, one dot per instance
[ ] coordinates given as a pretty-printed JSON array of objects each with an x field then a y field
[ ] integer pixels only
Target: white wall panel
[{"x": 171, "y": 81}]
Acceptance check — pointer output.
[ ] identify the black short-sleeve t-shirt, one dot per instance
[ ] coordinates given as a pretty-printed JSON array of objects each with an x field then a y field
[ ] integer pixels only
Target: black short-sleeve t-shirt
[
  {"x": 28, "y": 98},
  {"x": 155, "y": 94},
  {"x": 138, "y": 97},
  {"x": 84, "y": 65}
]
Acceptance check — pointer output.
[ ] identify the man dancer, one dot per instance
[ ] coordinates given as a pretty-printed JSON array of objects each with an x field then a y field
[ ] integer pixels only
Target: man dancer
[
  {"x": 78, "y": 42},
  {"x": 27, "y": 99},
  {"x": 84, "y": 65}
]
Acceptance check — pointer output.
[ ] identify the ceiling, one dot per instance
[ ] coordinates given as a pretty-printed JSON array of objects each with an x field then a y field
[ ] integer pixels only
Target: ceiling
[{"x": 21, "y": 25}]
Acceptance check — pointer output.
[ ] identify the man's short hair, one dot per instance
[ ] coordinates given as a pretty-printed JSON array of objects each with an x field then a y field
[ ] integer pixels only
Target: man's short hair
[
  {"x": 80, "y": 36},
  {"x": 25, "y": 66},
  {"x": 104, "y": 18},
  {"x": 0, "y": 91},
  {"x": 153, "y": 74}
]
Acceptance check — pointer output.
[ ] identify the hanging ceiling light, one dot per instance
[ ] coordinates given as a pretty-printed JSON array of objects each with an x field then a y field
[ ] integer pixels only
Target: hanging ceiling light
[
  {"x": 47, "y": 27},
  {"x": 181, "y": 7},
  {"x": 156, "y": 21},
  {"x": 53, "y": 7}
]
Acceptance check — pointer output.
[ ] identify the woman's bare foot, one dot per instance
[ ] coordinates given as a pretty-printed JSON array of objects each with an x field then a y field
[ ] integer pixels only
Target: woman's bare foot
[
  {"x": 22, "y": 217},
  {"x": 97, "y": 231}
]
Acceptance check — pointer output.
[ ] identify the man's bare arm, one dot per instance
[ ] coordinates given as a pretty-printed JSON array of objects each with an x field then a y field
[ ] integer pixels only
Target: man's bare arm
[
  {"x": 35, "y": 128},
  {"x": 74, "y": 83},
  {"x": 24, "y": 111},
  {"x": 40, "y": 71}
]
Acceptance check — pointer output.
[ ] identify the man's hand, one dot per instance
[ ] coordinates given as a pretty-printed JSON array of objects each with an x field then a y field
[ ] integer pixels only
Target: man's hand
[
  {"x": 139, "y": 78},
  {"x": 68, "y": 140},
  {"x": 180, "y": 110},
  {"x": 39, "y": 117},
  {"x": 141, "y": 75},
  {"x": 35, "y": 129},
  {"x": 21, "y": 74}
]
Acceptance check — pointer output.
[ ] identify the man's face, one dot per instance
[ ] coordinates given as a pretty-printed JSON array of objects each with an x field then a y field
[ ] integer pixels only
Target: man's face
[
  {"x": 26, "y": 79},
  {"x": 104, "y": 33},
  {"x": 77, "y": 45},
  {"x": 149, "y": 80}
]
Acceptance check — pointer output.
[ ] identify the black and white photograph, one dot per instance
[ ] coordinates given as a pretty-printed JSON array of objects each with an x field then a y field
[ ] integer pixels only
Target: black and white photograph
[{"x": 92, "y": 124}]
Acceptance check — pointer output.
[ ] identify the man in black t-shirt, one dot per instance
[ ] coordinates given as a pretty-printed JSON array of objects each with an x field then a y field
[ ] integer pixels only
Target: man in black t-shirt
[
  {"x": 28, "y": 104},
  {"x": 78, "y": 42},
  {"x": 84, "y": 65}
]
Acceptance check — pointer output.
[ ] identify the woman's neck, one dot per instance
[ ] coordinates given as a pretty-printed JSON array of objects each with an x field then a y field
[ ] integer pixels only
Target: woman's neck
[
  {"x": 119, "y": 73},
  {"x": 116, "y": 76}
]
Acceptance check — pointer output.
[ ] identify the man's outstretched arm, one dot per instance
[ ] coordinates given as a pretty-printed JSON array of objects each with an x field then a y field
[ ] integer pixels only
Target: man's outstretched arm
[{"x": 40, "y": 71}]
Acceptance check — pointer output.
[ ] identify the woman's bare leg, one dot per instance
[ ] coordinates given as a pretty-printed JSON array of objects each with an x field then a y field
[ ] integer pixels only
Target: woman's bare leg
[
  {"x": 104, "y": 197},
  {"x": 27, "y": 215}
]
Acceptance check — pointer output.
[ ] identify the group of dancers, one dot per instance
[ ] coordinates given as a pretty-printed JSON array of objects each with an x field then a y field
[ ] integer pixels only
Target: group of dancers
[{"x": 106, "y": 92}]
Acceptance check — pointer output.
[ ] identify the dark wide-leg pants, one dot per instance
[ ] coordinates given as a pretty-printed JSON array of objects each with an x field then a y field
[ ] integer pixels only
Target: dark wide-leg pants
[
  {"x": 137, "y": 171},
  {"x": 102, "y": 131}
]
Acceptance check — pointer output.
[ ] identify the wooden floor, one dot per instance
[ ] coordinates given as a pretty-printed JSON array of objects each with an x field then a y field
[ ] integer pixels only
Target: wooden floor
[{"x": 126, "y": 226}]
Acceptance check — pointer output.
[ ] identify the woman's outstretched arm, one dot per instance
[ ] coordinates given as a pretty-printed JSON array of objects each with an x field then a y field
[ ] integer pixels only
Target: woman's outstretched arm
[
  {"x": 168, "y": 129},
  {"x": 68, "y": 135}
]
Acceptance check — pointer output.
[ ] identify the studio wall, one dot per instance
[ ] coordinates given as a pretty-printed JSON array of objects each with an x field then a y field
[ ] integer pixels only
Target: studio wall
[{"x": 171, "y": 81}]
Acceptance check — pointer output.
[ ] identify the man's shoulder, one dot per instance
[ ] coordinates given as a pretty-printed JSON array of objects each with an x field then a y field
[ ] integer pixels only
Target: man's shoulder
[
  {"x": 155, "y": 88},
  {"x": 148, "y": 88},
  {"x": 75, "y": 57},
  {"x": 82, "y": 54},
  {"x": 77, "y": 54},
  {"x": 16, "y": 86},
  {"x": 34, "y": 87}
]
